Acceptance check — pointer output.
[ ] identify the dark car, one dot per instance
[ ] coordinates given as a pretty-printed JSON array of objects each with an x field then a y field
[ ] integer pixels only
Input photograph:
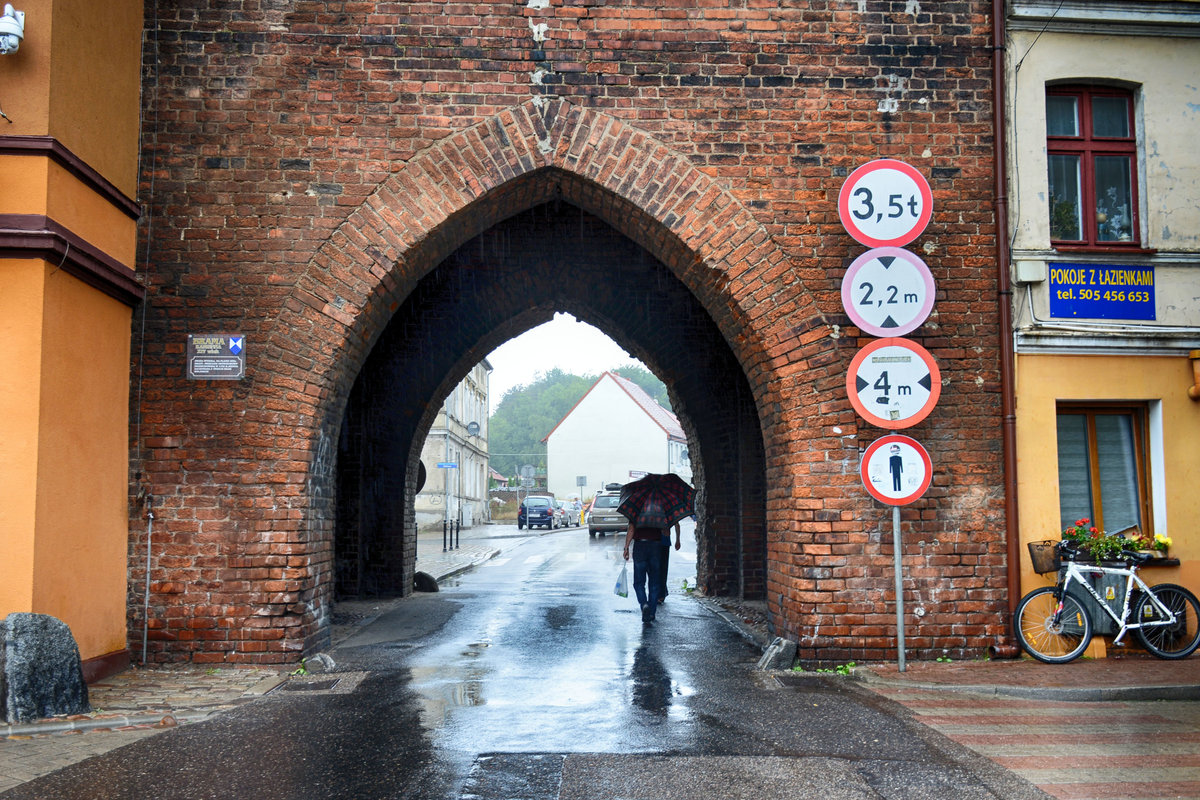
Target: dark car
[{"x": 536, "y": 511}]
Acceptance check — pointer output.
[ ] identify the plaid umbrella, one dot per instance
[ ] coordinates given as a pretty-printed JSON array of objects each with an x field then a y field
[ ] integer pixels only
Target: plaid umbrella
[{"x": 657, "y": 501}]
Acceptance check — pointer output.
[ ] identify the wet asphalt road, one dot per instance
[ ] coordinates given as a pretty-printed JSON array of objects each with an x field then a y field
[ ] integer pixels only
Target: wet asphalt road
[{"x": 528, "y": 678}]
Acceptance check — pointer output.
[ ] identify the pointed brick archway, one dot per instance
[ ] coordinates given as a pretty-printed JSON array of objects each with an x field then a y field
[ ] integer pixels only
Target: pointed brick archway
[
  {"x": 701, "y": 237},
  {"x": 337, "y": 340}
]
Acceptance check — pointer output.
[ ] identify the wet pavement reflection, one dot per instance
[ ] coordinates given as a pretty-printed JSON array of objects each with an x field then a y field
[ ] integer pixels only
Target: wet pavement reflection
[{"x": 528, "y": 678}]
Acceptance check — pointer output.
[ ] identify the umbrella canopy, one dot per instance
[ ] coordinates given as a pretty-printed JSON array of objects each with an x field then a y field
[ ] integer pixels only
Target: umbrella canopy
[{"x": 657, "y": 501}]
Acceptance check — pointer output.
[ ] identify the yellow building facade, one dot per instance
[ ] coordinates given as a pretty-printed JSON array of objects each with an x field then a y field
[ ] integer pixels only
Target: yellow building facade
[
  {"x": 68, "y": 241},
  {"x": 1104, "y": 199}
]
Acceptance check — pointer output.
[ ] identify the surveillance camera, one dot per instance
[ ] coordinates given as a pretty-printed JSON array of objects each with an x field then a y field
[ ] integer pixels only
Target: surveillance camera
[{"x": 12, "y": 29}]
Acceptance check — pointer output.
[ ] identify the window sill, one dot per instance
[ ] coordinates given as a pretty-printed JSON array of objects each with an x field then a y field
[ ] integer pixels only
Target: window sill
[{"x": 1106, "y": 250}]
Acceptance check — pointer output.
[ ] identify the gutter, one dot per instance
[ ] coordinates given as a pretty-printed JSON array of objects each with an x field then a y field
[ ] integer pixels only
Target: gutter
[{"x": 1007, "y": 648}]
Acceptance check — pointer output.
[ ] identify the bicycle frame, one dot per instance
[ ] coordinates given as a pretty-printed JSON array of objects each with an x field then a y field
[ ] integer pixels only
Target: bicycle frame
[{"x": 1077, "y": 573}]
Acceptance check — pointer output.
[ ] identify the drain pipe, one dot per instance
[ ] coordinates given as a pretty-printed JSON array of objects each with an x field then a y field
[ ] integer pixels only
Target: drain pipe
[
  {"x": 1007, "y": 648},
  {"x": 146, "y": 599}
]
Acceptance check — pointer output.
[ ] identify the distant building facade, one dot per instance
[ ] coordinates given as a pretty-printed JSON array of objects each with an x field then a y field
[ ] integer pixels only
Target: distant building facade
[
  {"x": 614, "y": 434},
  {"x": 459, "y": 437}
]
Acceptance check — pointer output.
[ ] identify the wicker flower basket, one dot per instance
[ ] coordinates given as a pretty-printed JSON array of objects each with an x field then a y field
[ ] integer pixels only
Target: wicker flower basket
[{"x": 1045, "y": 556}]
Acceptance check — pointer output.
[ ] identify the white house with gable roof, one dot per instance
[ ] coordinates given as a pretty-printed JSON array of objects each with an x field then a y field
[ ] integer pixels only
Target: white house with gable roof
[{"x": 614, "y": 434}]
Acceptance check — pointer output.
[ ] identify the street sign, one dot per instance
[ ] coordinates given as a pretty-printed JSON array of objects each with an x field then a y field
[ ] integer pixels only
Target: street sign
[
  {"x": 447, "y": 465},
  {"x": 893, "y": 383},
  {"x": 885, "y": 203},
  {"x": 896, "y": 470},
  {"x": 888, "y": 291}
]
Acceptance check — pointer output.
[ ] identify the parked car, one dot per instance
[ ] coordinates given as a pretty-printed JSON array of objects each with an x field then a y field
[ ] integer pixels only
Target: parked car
[
  {"x": 562, "y": 517},
  {"x": 604, "y": 517},
  {"x": 536, "y": 510}
]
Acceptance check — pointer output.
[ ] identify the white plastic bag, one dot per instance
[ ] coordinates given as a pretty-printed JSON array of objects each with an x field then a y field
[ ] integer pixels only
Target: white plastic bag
[{"x": 622, "y": 587}]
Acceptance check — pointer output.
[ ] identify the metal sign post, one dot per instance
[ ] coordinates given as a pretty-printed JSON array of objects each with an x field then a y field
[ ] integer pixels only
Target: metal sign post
[
  {"x": 896, "y": 470},
  {"x": 897, "y": 546}
]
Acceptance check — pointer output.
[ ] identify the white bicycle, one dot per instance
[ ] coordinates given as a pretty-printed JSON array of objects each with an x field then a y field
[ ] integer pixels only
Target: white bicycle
[{"x": 1053, "y": 624}]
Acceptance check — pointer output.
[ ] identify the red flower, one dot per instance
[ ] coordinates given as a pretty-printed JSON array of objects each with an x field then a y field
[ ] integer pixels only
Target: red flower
[{"x": 1093, "y": 530}]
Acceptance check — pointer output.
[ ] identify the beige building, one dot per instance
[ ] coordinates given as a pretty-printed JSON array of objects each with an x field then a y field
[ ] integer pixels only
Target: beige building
[
  {"x": 1103, "y": 107},
  {"x": 457, "y": 491}
]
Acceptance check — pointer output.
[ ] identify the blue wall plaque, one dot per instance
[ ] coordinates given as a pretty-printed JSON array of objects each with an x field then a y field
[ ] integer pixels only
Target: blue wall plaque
[{"x": 1101, "y": 291}]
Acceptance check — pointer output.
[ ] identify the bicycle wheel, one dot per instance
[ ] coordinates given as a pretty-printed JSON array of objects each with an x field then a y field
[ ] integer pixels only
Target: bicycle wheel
[
  {"x": 1047, "y": 634},
  {"x": 1178, "y": 640}
]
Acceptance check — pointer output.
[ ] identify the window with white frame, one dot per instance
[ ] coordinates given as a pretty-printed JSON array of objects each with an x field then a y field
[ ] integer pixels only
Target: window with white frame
[{"x": 1102, "y": 467}]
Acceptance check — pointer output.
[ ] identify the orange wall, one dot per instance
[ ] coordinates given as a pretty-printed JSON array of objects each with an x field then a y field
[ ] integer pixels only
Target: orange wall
[
  {"x": 83, "y": 464},
  {"x": 20, "y": 394},
  {"x": 1044, "y": 379},
  {"x": 64, "y": 418},
  {"x": 87, "y": 95}
]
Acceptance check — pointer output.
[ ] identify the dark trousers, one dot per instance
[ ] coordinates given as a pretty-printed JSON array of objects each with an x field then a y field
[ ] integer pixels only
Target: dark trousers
[
  {"x": 647, "y": 556},
  {"x": 662, "y": 567}
]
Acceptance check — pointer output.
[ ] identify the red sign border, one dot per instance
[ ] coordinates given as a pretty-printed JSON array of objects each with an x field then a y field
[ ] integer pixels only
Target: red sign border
[
  {"x": 900, "y": 439},
  {"x": 847, "y": 219},
  {"x": 935, "y": 387}
]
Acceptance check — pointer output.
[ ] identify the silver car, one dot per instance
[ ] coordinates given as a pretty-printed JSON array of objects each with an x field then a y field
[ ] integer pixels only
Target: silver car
[{"x": 604, "y": 517}]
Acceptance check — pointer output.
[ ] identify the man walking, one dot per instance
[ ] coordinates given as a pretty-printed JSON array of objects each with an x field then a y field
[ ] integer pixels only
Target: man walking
[{"x": 647, "y": 565}]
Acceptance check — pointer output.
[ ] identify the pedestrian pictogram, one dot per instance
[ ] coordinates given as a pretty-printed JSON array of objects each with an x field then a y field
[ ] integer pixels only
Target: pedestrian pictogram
[
  {"x": 896, "y": 470},
  {"x": 893, "y": 383},
  {"x": 888, "y": 291},
  {"x": 885, "y": 203}
]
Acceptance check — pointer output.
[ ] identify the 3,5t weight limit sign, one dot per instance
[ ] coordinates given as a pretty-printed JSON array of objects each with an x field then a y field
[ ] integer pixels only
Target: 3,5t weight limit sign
[{"x": 885, "y": 203}]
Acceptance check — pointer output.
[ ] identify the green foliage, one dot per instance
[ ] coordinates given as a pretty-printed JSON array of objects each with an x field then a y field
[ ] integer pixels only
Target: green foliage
[
  {"x": 526, "y": 414},
  {"x": 840, "y": 669}
]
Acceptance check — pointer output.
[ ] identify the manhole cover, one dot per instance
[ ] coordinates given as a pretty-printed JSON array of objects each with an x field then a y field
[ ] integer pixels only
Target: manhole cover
[{"x": 336, "y": 683}]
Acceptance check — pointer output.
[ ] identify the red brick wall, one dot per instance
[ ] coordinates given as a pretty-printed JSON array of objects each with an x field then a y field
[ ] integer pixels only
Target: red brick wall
[{"x": 305, "y": 170}]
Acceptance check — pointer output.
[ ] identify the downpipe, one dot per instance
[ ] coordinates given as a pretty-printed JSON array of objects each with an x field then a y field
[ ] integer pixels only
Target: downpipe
[{"x": 1008, "y": 647}]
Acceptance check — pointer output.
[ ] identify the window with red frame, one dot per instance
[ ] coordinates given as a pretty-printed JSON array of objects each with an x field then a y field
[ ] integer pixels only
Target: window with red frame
[{"x": 1092, "y": 154}]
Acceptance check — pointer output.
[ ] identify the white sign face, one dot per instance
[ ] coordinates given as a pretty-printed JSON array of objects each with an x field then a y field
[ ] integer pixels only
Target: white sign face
[
  {"x": 885, "y": 203},
  {"x": 888, "y": 291},
  {"x": 893, "y": 383},
  {"x": 896, "y": 470}
]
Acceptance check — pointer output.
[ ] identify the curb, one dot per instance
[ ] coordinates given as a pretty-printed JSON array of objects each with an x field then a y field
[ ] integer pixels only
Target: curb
[
  {"x": 162, "y": 719},
  {"x": 1069, "y": 694},
  {"x": 147, "y": 719},
  {"x": 741, "y": 627}
]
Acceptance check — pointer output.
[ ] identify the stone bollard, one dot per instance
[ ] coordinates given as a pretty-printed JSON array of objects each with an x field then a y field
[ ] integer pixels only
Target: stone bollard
[{"x": 41, "y": 674}]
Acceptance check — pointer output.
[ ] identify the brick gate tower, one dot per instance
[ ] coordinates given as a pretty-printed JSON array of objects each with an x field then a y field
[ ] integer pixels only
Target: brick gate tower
[{"x": 377, "y": 195}]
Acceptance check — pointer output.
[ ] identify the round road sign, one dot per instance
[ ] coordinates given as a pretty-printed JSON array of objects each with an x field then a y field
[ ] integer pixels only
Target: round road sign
[
  {"x": 888, "y": 291},
  {"x": 885, "y": 203},
  {"x": 896, "y": 470},
  {"x": 893, "y": 383}
]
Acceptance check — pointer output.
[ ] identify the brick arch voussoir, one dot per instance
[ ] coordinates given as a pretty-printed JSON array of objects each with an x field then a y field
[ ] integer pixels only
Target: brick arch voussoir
[{"x": 466, "y": 182}]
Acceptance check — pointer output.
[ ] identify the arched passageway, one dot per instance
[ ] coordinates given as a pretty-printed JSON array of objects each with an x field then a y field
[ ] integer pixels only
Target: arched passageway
[{"x": 552, "y": 257}]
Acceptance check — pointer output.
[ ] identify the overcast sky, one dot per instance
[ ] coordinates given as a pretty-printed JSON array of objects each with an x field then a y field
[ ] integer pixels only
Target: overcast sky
[{"x": 571, "y": 346}]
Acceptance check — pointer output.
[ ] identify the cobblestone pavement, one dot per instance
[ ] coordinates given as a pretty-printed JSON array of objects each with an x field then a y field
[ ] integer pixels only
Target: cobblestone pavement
[
  {"x": 132, "y": 705},
  {"x": 1111, "y": 750}
]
